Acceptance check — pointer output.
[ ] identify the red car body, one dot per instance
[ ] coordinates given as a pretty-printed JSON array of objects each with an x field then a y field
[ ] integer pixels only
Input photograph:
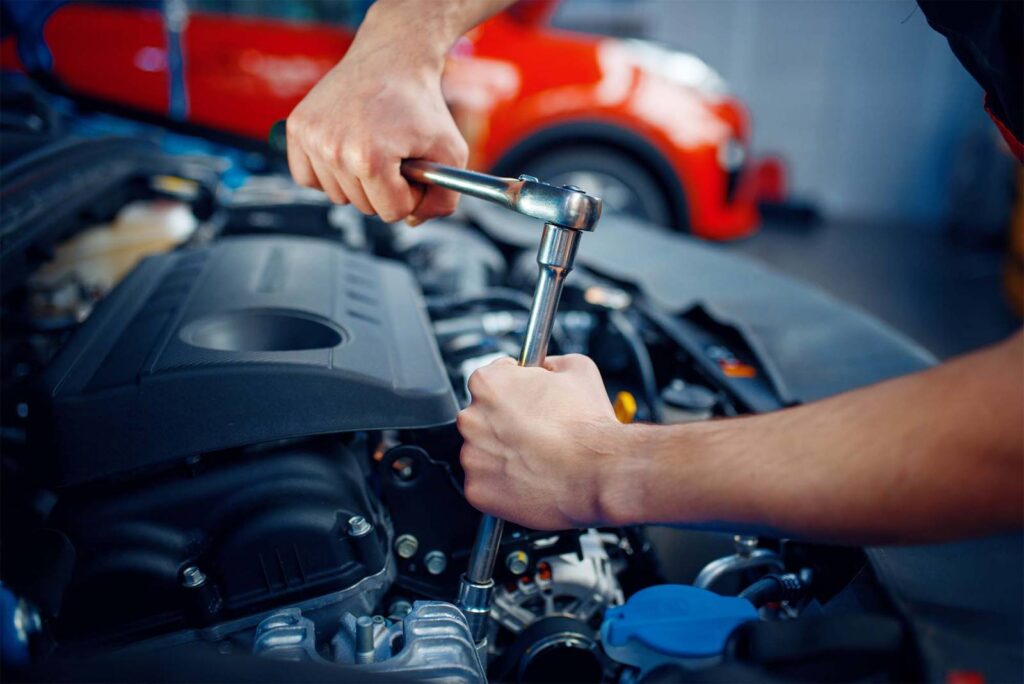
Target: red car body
[{"x": 520, "y": 91}]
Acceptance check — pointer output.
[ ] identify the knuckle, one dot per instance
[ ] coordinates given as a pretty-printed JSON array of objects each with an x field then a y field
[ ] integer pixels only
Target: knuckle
[
  {"x": 362, "y": 159},
  {"x": 478, "y": 382}
]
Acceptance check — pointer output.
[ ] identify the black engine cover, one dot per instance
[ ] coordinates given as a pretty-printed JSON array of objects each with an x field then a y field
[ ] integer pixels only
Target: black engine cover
[
  {"x": 264, "y": 528},
  {"x": 247, "y": 341}
]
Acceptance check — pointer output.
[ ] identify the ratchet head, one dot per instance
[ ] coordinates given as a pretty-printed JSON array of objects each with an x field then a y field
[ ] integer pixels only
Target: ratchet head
[{"x": 566, "y": 207}]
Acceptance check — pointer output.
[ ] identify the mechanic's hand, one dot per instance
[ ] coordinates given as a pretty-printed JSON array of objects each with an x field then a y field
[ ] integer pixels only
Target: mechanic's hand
[
  {"x": 350, "y": 133},
  {"x": 537, "y": 442}
]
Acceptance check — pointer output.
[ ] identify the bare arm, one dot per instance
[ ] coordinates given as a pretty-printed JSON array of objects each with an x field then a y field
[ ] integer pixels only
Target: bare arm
[
  {"x": 381, "y": 104},
  {"x": 932, "y": 456}
]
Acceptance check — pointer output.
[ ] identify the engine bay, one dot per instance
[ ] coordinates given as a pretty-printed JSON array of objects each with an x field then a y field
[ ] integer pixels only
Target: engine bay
[{"x": 240, "y": 444}]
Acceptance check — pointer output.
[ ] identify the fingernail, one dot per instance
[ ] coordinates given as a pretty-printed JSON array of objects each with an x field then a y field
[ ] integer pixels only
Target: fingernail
[{"x": 412, "y": 221}]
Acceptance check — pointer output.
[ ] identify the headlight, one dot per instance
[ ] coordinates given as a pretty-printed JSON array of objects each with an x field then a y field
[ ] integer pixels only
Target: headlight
[
  {"x": 678, "y": 67},
  {"x": 732, "y": 154}
]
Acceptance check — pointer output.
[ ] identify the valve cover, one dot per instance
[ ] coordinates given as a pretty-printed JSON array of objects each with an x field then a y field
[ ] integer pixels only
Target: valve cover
[{"x": 249, "y": 340}]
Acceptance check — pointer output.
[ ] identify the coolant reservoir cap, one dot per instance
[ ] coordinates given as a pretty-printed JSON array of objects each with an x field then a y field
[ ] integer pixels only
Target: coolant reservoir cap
[{"x": 672, "y": 621}]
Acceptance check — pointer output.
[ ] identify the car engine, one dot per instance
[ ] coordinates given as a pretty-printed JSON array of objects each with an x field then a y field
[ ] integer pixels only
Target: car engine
[{"x": 241, "y": 446}]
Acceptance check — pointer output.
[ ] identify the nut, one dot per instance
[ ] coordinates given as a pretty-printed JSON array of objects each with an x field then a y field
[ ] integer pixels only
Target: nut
[
  {"x": 436, "y": 562},
  {"x": 406, "y": 546}
]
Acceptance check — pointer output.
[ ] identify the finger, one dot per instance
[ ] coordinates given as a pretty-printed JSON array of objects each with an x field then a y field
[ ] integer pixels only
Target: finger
[
  {"x": 301, "y": 168},
  {"x": 436, "y": 202},
  {"x": 476, "y": 430},
  {"x": 327, "y": 182},
  {"x": 353, "y": 189},
  {"x": 392, "y": 197},
  {"x": 568, "y": 363}
]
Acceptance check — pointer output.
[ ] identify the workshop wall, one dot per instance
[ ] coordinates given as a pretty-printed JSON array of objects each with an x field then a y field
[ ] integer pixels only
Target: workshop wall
[{"x": 863, "y": 99}]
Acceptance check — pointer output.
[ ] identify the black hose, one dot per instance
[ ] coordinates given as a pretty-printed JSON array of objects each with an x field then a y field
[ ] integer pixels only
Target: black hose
[
  {"x": 774, "y": 588},
  {"x": 645, "y": 367}
]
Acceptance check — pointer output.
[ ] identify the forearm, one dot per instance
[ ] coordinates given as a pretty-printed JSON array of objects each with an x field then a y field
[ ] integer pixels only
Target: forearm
[
  {"x": 935, "y": 455},
  {"x": 414, "y": 31}
]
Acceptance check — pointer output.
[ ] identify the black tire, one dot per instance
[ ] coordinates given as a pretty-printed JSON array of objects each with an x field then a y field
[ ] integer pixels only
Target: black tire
[{"x": 625, "y": 184}]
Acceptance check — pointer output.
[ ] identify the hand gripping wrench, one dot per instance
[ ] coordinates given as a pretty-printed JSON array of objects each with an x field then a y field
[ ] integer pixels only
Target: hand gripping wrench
[{"x": 566, "y": 212}]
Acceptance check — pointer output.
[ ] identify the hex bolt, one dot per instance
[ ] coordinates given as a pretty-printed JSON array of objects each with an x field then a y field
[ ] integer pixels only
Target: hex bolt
[
  {"x": 436, "y": 562},
  {"x": 744, "y": 543},
  {"x": 399, "y": 608},
  {"x": 406, "y": 546},
  {"x": 517, "y": 562},
  {"x": 192, "y": 577},
  {"x": 358, "y": 526}
]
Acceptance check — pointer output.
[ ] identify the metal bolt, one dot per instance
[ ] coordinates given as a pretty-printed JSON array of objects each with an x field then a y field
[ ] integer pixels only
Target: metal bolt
[
  {"x": 364, "y": 639},
  {"x": 517, "y": 562},
  {"x": 745, "y": 544},
  {"x": 406, "y": 546},
  {"x": 400, "y": 608},
  {"x": 358, "y": 527},
  {"x": 436, "y": 562},
  {"x": 192, "y": 577}
]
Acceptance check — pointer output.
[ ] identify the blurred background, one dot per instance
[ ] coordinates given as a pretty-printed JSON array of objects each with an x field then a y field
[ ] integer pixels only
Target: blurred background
[{"x": 841, "y": 142}]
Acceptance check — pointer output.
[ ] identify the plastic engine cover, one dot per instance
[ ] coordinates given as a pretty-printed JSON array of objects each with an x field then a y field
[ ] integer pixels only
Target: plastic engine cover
[
  {"x": 249, "y": 340},
  {"x": 672, "y": 623}
]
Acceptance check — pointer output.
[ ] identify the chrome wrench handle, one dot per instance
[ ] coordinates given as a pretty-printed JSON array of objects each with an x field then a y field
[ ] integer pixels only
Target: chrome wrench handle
[{"x": 567, "y": 207}]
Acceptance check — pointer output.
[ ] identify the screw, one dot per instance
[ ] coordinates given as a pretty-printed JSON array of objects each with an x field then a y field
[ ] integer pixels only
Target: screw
[
  {"x": 358, "y": 527},
  {"x": 404, "y": 468},
  {"x": 192, "y": 577},
  {"x": 400, "y": 608},
  {"x": 745, "y": 544},
  {"x": 436, "y": 562},
  {"x": 517, "y": 562},
  {"x": 406, "y": 546}
]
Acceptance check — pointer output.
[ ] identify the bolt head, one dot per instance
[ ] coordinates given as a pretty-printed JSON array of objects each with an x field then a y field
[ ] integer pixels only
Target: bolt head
[
  {"x": 435, "y": 562},
  {"x": 400, "y": 608},
  {"x": 406, "y": 546},
  {"x": 192, "y": 577},
  {"x": 745, "y": 544},
  {"x": 358, "y": 526},
  {"x": 517, "y": 562}
]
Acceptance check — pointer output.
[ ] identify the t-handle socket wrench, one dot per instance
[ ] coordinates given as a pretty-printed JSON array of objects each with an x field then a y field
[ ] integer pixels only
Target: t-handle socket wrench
[{"x": 566, "y": 213}]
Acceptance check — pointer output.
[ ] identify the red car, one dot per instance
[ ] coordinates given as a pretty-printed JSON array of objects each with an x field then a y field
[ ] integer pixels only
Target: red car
[{"x": 652, "y": 131}]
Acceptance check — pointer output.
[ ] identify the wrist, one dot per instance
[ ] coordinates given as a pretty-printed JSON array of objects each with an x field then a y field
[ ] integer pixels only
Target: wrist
[
  {"x": 405, "y": 36},
  {"x": 624, "y": 476}
]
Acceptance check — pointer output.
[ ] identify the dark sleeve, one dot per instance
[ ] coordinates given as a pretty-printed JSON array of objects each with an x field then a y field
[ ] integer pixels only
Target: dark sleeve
[{"x": 986, "y": 37}]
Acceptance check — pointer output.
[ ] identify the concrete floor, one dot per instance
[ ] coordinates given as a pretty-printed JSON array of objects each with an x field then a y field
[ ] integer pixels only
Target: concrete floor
[{"x": 946, "y": 296}]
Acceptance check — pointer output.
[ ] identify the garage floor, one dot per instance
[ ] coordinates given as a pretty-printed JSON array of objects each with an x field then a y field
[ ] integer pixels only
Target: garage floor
[{"x": 946, "y": 296}]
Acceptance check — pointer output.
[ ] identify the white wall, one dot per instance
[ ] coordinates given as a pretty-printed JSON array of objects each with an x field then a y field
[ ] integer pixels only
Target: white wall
[{"x": 865, "y": 101}]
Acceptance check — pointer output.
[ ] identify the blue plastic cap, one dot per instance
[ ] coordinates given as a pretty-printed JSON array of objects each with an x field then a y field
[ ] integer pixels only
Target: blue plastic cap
[{"x": 675, "y": 620}]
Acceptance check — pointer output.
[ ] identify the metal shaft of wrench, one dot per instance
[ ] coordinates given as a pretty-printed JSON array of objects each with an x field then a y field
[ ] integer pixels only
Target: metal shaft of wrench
[{"x": 566, "y": 212}]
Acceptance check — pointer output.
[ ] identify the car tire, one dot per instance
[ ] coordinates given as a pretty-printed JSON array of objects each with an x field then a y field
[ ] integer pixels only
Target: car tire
[{"x": 625, "y": 184}]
